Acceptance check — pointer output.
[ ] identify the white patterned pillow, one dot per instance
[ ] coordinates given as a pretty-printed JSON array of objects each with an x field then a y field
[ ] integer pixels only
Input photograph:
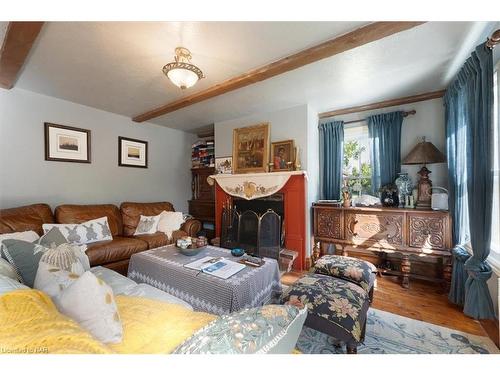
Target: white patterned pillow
[
  {"x": 82, "y": 297},
  {"x": 87, "y": 232},
  {"x": 170, "y": 222},
  {"x": 90, "y": 302},
  {"x": 147, "y": 225}
]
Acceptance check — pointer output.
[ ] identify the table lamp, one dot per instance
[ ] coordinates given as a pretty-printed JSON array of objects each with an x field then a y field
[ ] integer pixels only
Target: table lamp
[{"x": 424, "y": 153}]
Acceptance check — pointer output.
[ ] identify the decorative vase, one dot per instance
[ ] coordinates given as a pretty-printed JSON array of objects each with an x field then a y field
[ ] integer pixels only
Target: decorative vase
[{"x": 405, "y": 186}]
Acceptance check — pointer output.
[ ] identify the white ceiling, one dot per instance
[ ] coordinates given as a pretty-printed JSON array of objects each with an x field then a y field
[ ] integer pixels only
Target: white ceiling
[{"x": 116, "y": 66}]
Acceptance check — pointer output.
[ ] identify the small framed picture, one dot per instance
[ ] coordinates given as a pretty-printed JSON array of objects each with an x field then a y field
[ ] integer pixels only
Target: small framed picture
[
  {"x": 132, "y": 153},
  {"x": 224, "y": 165},
  {"x": 283, "y": 154},
  {"x": 65, "y": 143}
]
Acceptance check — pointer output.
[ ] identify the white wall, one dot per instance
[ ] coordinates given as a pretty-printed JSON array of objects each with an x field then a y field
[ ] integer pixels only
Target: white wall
[
  {"x": 429, "y": 122},
  {"x": 25, "y": 177}
]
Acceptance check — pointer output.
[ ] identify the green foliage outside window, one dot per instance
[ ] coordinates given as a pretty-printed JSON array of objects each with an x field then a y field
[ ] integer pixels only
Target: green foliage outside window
[{"x": 357, "y": 174}]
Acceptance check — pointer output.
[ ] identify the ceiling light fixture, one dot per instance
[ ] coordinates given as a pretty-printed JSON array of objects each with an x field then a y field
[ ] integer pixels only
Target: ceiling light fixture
[{"x": 182, "y": 73}]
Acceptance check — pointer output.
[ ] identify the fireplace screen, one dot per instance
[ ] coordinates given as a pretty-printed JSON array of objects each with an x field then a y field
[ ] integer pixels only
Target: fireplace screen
[{"x": 258, "y": 234}]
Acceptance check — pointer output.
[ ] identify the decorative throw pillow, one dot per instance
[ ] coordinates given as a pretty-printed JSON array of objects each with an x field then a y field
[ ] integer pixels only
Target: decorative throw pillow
[
  {"x": 53, "y": 280},
  {"x": 29, "y": 236},
  {"x": 87, "y": 232},
  {"x": 147, "y": 225},
  {"x": 170, "y": 222},
  {"x": 90, "y": 302},
  {"x": 7, "y": 270},
  {"x": 8, "y": 284},
  {"x": 24, "y": 256}
]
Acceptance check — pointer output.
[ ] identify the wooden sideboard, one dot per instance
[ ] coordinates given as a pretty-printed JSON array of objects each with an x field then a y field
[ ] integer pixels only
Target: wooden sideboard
[{"x": 387, "y": 230}]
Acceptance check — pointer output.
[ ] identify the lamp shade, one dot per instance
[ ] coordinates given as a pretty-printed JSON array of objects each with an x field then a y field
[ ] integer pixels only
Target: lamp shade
[{"x": 424, "y": 153}]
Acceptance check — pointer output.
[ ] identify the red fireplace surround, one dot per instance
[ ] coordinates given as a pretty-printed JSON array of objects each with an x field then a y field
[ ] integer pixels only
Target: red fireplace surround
[{"x": 294, "y": 196}]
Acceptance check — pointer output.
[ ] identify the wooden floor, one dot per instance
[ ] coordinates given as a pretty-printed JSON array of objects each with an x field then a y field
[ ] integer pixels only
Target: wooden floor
[{"x": 423, "y": 301}]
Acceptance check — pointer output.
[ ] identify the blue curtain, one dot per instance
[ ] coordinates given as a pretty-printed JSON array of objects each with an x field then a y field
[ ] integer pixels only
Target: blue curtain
[
  {"x": 385, "y": 136},
  {"x": 331, "y": 154},
  {"x": 469, "y": 105}
]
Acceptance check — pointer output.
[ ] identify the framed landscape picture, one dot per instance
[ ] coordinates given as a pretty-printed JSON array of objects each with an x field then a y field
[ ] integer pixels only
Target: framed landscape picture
[
  {"x": 283, "y": 154},
  {"x": 66, "y": 143},
  {"x": 132, "y": 153},
  {"x": 224, "y": 165},
  {"x": 251, "y": 149}
]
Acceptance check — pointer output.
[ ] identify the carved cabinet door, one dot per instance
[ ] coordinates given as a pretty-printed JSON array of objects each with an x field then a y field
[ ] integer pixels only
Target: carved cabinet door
[
  {"x": 375, "y": 228},
  {"x": 429, "y": 231},
  {"x": 328, "y": 223}
]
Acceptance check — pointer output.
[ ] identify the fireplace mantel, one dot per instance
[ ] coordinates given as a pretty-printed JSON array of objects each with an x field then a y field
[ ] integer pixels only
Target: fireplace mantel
[
  {"x": 293, "y": 186},
  {"x": 253, "y": 185}
]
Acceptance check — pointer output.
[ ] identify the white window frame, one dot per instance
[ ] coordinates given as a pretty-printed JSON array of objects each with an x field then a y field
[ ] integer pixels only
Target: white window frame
[{"x": 359, "y": 178}]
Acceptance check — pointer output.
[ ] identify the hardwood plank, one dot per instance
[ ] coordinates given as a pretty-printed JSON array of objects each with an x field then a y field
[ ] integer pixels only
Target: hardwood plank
[
  {"x": 356, "y": 38},
  {"x": 385, "y": 104},
  {"x": 17, "y": 44}
]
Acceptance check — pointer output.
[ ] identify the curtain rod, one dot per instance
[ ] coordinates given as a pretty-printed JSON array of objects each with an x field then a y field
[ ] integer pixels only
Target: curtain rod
[
  {"x": 412, "y": 112},
  {"x": 493, "y": 40}
]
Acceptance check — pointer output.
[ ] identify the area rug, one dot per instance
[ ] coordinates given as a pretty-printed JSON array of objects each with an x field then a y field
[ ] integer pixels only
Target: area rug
[{"x": 388, "y": 333}]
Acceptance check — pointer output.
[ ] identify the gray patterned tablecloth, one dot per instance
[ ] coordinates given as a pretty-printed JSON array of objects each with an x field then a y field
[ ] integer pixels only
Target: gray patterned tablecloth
[{"x": 164, "y": 269}]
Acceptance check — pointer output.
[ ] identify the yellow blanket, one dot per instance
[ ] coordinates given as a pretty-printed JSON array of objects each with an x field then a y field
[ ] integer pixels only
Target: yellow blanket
[
  {"x": 30, "y": 323},
  {"x": 155, "y": 327}
]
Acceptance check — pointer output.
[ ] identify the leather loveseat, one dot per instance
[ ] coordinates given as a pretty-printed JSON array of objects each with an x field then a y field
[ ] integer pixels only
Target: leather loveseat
[{"x": 114, "y": 254}]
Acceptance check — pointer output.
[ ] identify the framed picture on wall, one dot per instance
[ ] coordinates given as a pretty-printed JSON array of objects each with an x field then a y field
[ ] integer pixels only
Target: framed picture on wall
[
  {"x": 251, "y": 149},
  {"x": 224, "y": 165},
  {"x": 132, "y": 153},
  {"x": 283, "y": 154},
  {"x": 66, "y": 143}
]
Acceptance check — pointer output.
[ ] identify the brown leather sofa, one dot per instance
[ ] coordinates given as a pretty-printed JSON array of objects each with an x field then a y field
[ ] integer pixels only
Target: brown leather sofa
[{"x": 114, "y": 254}]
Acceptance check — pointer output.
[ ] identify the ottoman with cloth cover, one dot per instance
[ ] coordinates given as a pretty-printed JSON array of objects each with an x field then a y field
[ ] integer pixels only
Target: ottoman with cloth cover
[
  {"x": 337, "y": 296},
  {"x": 355, "y": 270}
]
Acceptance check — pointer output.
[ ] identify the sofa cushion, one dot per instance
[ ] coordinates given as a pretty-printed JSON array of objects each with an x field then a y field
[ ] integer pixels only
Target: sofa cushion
[
  {"x": 132, "y": 211},
  {"x": 25, "y": 218},
  {"x": 77, "y": 214},
  {"x": 154, "y": 240},
  {"x": 120, "y": 248},
  {"x": 119, "y": 283}
]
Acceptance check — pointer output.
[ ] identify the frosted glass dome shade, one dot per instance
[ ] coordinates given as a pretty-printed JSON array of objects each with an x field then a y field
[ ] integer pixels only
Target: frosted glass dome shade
[{"x": 182, "y": 78}]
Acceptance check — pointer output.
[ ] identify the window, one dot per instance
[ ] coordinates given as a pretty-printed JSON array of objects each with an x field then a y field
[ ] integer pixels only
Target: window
[
  {"x": 495, "y": 223},
  {"x": 357, "y": 168}
]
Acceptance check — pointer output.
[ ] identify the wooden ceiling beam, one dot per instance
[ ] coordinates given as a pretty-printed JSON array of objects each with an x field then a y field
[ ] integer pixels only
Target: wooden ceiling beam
[
  {"x": 16, "y": 46},
  {"x": 354, "y": 39},
  {"x": 384, "y": 104}
]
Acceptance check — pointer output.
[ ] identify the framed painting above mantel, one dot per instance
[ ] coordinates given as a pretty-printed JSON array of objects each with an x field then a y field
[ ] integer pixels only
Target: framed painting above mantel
[
  {"x": 251, "y": 149},
  {"x": 66, "y": 143}
]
